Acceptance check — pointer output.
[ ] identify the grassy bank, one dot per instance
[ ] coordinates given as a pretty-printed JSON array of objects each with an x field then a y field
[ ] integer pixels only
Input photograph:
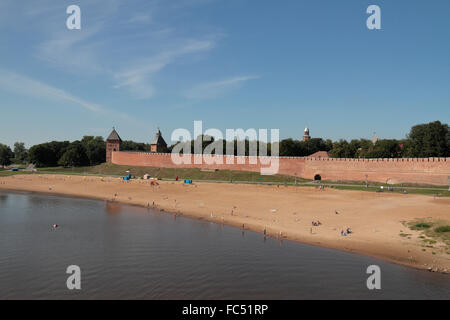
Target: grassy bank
[
  {"x": 172, "y": 173},
  {"x": 432, "y": 191},
  {"x": 434, "y": 235}
]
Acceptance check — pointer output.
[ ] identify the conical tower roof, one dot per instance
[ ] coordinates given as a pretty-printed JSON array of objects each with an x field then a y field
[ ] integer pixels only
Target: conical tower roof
[
  {"x": 114, "y": 136},
  {"x": 159, "y": 140}
]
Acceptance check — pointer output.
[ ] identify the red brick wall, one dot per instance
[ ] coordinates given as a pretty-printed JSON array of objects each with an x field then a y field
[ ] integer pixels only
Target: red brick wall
[
  {"x": 433, "y": 171},
  {"x": 111, "y": 146},
  {"x": 288, "y": 166}
]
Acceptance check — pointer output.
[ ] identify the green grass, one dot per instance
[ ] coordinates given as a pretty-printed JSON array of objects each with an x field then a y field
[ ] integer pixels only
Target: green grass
[
  {"x": 432, "y": 231},
  {"x": 431, "y": 192},
  {"x": 404, "y": 234},
  {"x": 6, "y": 173},
  {"x": 171, "y": 173},
  {"x": 442, "y": 229},
  {"x": 378, "y": 184},
  {"x": 421, "y": 226}
]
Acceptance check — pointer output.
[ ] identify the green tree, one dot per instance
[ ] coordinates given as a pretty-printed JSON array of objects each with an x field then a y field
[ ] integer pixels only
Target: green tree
[
  {"x": 311, "y": 146},
  {"x": 365, "y": 146},
  {"x": 129, "y": 145},
  {"x": 429, "y": 140},
  {"x": 95, "y": 149},
  {"x": 5, "y": 155},
  {"x": 386, "y": 148},
  {"x": 290, "y": 148},
  {"x": 47, "y": 154},
  {"x": 74, "y": 156},
  {"x": 329, "y": 144},
  {"x": 340, "y": 149},
  {"x": 20, "y": 152}
]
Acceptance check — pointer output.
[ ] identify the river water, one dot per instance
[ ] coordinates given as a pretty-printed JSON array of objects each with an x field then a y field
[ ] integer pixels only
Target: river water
[{"x": 127, "y": 252}]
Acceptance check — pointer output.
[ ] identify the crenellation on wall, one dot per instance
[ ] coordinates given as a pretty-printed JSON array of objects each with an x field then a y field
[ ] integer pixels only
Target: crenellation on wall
[{"x": 433, "y": 171}]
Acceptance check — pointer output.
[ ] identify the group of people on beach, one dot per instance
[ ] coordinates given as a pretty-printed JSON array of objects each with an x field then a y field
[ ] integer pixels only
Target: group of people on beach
[{"x": 346, "y": 232}]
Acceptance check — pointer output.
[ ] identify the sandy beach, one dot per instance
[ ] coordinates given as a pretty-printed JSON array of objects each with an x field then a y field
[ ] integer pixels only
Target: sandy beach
[{"x": 279, "y": 211}]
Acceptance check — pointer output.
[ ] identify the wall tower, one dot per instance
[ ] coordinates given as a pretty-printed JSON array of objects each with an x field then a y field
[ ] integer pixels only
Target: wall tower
[
  {"x": 158, "y": 144},
  {"x": 112, "y": 144},
  {"x": 306, "y": 135}
]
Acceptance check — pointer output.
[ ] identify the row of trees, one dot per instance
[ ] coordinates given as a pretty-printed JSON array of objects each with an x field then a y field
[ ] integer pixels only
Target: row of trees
[
  {"x": 424, "y": 140},
  {"x": 89, "y": 151},
  {"x": 286, "y": 147},
  {"x": 19, "y": 155}
]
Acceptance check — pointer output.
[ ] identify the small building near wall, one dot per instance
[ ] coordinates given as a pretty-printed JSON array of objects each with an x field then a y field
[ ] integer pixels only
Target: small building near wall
[
  {"x": 158, "y": 144},
  {"x": 319, "y": 154}
]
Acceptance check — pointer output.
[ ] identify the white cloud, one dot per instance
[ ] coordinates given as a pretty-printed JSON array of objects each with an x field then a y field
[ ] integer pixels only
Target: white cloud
[
  {"x": 79, "y": 51},
  {"x": 115, "y": 41},
  {"x": 214, "y": 89},
  {"x": 136, "y": 78},
  {"x": 24, "y": 85},
  {"x": 72, "y": 50}
]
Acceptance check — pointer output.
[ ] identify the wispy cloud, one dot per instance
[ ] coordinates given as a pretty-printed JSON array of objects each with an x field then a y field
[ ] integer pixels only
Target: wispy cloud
[
  {"x": 24, "y": 85},
  {"x": 214, "y": 89},
  {"x": 73, "y": 50},
  {"x": 116, "y": 42},
  {"x": 137, "y": 77},
  {"x": 80, "y": 51},
  {"x": 141, "y": 18}
]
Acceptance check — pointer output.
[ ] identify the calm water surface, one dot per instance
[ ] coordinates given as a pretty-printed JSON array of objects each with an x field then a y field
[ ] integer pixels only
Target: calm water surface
[{"x": 128, "y": 252}]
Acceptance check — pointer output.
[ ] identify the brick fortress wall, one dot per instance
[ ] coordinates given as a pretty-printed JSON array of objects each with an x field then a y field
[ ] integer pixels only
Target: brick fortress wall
[{"x": 433, "y": 171}]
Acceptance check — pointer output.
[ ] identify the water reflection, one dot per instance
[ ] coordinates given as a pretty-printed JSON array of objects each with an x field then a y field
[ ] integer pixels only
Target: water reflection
[
  {"x": 3, "y": 198},
  {"x": 113, "y": 207}
]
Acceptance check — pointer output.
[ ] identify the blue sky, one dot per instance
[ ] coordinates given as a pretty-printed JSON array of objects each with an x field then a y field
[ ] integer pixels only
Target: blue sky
[{"x": 140, "y": 64}]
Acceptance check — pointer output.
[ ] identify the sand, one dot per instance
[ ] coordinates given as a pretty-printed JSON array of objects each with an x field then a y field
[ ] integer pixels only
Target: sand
[{"x": 283, "y": 212}]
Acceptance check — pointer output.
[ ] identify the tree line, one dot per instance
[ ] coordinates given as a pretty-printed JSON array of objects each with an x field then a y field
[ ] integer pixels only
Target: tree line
[
  {"x": 424, "y": 140},
  {"x": 88, "y": 151}
]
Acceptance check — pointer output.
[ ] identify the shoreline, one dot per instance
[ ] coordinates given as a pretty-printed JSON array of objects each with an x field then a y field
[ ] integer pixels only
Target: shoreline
[{"x": 250, "y": 207}]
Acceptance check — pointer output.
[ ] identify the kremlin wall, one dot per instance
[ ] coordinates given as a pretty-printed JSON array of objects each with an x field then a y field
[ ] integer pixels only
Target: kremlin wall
[
  {"x": 424, "y": 171},
  {"x": 427, "y": 171}
]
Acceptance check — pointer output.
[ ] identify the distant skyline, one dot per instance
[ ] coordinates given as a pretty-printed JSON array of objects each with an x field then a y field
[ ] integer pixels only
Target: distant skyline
[{"x": 142, "y": 64}]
